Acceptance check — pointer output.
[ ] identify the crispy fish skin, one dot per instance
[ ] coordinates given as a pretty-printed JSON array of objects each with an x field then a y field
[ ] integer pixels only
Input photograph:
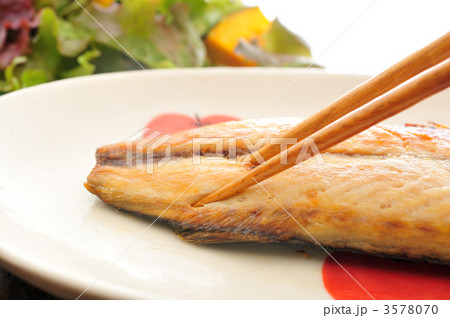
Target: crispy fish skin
[
  {"x": 392, "y": 199},
  {"x": 378, "y": 140}
]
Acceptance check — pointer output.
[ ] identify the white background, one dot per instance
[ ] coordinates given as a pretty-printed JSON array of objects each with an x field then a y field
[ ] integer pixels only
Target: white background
[{"x": 388, "y": 31}]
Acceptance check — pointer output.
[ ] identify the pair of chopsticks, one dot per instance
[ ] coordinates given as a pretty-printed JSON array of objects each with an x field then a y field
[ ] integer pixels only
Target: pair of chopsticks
[{"x": 418, "y": 76}]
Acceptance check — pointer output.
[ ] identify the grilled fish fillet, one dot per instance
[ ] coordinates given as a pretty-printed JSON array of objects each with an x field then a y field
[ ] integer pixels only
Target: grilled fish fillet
[{"x": 385, "y": 191}]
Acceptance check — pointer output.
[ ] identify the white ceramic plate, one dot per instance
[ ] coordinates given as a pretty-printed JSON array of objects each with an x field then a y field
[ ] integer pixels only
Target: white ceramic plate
[{"x": 59, "y": 237}]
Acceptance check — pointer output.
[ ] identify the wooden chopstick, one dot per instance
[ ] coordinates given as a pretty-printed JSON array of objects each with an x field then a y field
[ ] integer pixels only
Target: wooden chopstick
[
  {"x": 430, "y": 55},
  {"x": 398, "y": 99}
]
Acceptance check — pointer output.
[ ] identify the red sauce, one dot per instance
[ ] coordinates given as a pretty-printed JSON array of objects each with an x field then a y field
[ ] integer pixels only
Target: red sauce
[{"x": 384, "y": 278}]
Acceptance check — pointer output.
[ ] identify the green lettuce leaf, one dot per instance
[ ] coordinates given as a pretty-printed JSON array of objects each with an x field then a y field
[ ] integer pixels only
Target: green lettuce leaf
[
  {"x": 53, "y": 49},
  {"x": 112, "y": 60},
  {"x": 72, "y": 40},
  {"x": 33, "y": 77},
  {"x": 12, "y": 82},
  {"x": 55, "y": 4},
  {"x": 138, "y": 28},
  {"x": 280, "y": 40},
  {"x": 180, "y": 41},
  {"x": 262, "y": 57},
  {"x": 280, "y": 47},
  {"x": 16, "y": 79},
  {"x": 62, "y": 8},
  {"x": 204, "y": 14},
  {"x": 58, "y": 39},
  {"x": 125, "y": 28},
  {"x": 85, "y": 66},
  {"x": 46, "y": 56}
]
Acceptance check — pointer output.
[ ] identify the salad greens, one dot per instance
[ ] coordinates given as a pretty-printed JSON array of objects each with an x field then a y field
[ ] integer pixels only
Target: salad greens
[{"x": 61, "y": 38}]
